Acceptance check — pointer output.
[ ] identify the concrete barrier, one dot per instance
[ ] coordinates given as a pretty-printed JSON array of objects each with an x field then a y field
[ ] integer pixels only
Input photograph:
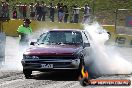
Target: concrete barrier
[
  {"x": 110, "y": 28},
  {"x": 118, "y": 39},
  {"x": 11, "y": 26}
]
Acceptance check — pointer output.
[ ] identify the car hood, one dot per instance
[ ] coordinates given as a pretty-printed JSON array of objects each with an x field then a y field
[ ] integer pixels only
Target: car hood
[{"x": 53, "y": 50}]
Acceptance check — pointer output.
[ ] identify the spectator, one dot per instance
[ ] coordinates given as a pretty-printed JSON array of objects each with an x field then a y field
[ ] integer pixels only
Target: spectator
[
  {"x": 0, "y": 8},
  {"x": 14, "y": 13},
  {"x": 52, "y": 12},
  {"x": 58, "y": 6},
  {"x": 24, "y": 31},
  {"x": 76, "y": 14},
  {"x": 32, "y": 11},
  {"x": 5, "y": 9},
  {"x": 44, "y": 10},
  {"x": 61, "y": 12},
  {"x": 25, "y": 10},
  {"x": 86, "y": 13},
  {"x": 66, "y": 13},
  {"x": 38, "y": 11},
  {"x": 72, "y": 14},
  {"x": 20, "y": 10}
]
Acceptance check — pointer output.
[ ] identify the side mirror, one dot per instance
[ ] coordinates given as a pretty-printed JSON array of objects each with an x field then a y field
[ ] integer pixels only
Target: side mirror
[
  {"x": 109, "y": 34},
  {"x": 86, "y": 44},
  {"x": 32, "y": 43}
]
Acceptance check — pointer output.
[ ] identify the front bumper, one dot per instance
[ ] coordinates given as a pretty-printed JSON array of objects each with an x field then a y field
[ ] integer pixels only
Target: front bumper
[{"x": 36, "y": 65}]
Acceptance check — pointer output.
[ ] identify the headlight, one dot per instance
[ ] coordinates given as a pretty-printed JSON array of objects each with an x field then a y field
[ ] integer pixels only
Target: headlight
[
  {"x": 30, "y": 57},
  {"x": 76, "y": 62}
]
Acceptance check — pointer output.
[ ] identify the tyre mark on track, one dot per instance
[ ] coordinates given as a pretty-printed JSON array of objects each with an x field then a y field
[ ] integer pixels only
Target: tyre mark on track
[
  {"x": 5, "y": 74},
  {"x": 60, "y": 84},
  {"x": 19, "y": 81}
]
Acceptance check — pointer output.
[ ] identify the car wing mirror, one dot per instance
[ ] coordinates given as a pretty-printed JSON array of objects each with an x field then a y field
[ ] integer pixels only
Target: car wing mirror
[
  {"x": 86, "y": 44},
  {"x": 32, "y": 43}
]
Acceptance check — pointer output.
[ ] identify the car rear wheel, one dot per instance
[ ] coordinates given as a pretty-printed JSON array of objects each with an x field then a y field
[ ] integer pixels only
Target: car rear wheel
[{"x": 27, "y": 73}]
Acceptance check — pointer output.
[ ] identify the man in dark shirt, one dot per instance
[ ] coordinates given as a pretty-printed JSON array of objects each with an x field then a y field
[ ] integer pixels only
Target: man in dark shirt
[
  {"x": 60, "y": 12},
  {"x": 38, "y": 11},
  {"x": 44, "y": 10},
  {"x": 24, "y": 10},
  {"x": 52, "y": 12},
  {"x": 66, "y": 13}
]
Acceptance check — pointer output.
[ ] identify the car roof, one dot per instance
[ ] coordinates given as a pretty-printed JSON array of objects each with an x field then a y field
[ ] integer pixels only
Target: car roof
[{"x": 77, "y": 30}]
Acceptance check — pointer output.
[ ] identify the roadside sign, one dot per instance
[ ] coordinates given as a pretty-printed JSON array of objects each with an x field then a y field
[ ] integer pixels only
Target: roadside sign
[{"x": 129, "y": 21}]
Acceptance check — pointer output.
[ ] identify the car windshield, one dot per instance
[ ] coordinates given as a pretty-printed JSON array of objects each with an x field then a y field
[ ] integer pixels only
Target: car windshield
[{"x": 61, "y": 37}]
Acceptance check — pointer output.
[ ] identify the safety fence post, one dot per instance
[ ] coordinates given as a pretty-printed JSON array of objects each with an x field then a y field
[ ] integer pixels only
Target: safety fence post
[{"x": 2, "y": 48}]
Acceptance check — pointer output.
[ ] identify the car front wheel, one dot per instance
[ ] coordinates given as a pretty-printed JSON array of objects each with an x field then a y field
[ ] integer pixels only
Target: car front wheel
[{"x": 27, "y": 73}]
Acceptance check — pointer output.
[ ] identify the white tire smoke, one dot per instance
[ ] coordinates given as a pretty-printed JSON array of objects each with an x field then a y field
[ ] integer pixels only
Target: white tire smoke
[{"x": 105, "y": 59}]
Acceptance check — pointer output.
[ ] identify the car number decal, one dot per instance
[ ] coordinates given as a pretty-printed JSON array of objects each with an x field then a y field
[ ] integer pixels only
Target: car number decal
[{"x": 46, "y": 65}]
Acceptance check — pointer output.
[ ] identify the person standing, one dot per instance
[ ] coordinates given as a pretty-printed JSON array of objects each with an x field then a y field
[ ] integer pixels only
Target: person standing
[
  {"x": 58, "y": 6},
  {"x": 52, "y": 12},
  {"x": 32, "y": 11},
  {"x": 0, "y": 8},
  {"x": 66, "y": 13},
  {"x": 24, "y": 31},
  {"x": 20, "y": 10},
  {"x": 61, "y": 12},
  {"x": 5, "y": 9},
  {"x": 86, "y": 13},
  {"x": 38, "y": 11},
  {"x": 44, "y": 11},
  {"x": 25, "y": 10},
  {"x": 76, "y": 13},
  {"x": 14, "y": 13}
]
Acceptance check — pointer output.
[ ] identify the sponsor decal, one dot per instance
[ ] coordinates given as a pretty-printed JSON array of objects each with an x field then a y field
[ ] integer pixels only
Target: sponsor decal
[
  {"x": 120, "y": 40},
  {"x": 107, "y": 82},
  {"x": 129, "y": 21},
  {"x": 86, "y": 81}
]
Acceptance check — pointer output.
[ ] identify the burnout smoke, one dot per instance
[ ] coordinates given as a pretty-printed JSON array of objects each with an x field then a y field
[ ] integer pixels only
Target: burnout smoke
[
  {"x": 105, "y": 59},
  {"x": 14, "y": 52},
  {"x": 13, "y": 55}
]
